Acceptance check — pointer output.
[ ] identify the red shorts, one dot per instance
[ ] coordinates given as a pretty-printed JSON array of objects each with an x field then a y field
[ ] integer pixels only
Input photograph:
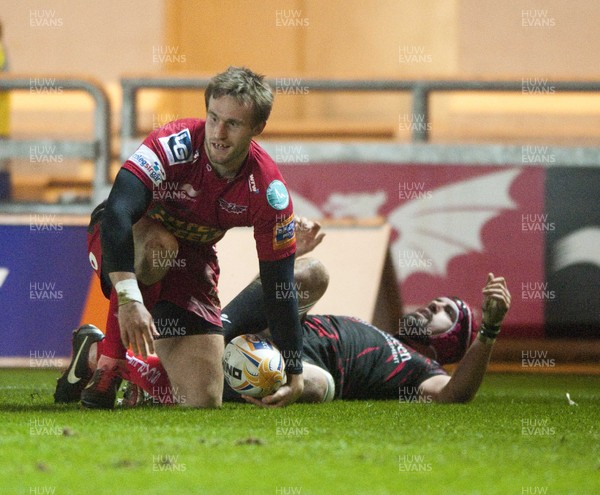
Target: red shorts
[{"x": 190, "y": 283}]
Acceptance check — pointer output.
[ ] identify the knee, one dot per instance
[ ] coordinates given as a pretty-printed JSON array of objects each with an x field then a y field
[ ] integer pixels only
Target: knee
[
  {"x": 157, "y": 249},
  {"x": 161, "y": 244},
  {"x": 205, "y": 400}
]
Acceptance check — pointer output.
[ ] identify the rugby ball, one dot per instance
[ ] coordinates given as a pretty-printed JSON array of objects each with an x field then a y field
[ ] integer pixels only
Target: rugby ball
[{"x": 253, "y": 366}]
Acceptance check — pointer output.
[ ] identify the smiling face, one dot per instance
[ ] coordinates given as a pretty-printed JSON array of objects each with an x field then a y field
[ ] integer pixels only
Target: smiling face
[{"x": 230, "y": 127}]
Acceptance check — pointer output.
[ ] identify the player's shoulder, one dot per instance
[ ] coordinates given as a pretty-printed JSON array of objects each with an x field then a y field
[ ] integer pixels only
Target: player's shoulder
[
  {"x": 191, "y": 128},
  {"x": 180, "y": 140},
  {"x": 264, "y": 177},
  {"x": 261, "y": 163}
]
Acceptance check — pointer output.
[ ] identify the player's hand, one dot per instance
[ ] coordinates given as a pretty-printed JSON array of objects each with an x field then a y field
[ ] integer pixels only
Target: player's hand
[
  {"x": 286, "y": 395},
  {"x": 496, "y": 300},
  {"x": 137, "y": 328},
  {"x": 308, "y": 235}
]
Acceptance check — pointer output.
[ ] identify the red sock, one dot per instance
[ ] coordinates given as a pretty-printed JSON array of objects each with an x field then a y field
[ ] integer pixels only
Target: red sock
[
  {"x": 112, "y": 346},
  {"x": 151, "y": 376}
]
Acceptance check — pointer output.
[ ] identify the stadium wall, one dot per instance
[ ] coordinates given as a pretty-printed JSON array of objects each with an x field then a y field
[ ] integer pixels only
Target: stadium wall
[{"x": 538, "y": 226}]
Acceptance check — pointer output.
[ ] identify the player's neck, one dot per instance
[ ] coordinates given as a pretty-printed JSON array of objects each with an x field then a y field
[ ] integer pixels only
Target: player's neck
[
  {"x": 228, "y": 171},
  {"x": 225, "y": 172}
]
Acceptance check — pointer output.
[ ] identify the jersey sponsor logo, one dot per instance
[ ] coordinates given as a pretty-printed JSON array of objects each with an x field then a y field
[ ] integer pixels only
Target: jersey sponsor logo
[
  {"x": 183, "y": 229},
  {"x": 284, "y": 233},
  {"x": 252, "y": 184},
  {"x": 178, "y": 147},
  {"x": 231, "y": 207},
  {"x": 149, "y": 162},
  {"x": 277, "y": 195}
]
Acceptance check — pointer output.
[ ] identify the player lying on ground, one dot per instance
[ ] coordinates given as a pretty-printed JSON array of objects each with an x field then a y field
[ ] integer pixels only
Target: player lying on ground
[
  {"x": 346, "y": 358},
  {"x": 368, "y": 363},
  {"x": 152, "y": 245}
]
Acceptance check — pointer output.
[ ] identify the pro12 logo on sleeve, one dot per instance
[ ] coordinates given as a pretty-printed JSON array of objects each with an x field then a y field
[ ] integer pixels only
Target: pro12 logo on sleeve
[
  {"x": 284, "y": 233},
  {"x": 147, "y": 160},
  {"x": 277, "y": 195},
  {"x": 178, "y": 147}
]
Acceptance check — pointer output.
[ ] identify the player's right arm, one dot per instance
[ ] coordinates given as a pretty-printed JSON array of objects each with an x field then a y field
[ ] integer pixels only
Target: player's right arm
[
  {"x": 464, "y": 383},
  {"x": 126, "y": 204}
]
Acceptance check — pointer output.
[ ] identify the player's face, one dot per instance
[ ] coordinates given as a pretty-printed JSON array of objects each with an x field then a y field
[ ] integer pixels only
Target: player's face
[
  {"x": 229, "y": 130},
  {"x": 438, "y": 315}
]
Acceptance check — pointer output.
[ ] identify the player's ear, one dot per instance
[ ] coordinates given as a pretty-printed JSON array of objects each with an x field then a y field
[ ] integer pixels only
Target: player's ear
[{"x": 258, "y": 128}]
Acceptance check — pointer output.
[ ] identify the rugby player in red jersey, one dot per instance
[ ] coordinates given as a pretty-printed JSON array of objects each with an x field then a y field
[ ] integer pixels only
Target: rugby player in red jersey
[{"x": 152, "y": 243}]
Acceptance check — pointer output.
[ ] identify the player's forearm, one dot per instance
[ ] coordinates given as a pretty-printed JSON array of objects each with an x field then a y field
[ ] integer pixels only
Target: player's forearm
[
  {"x": 468, "y": 376},
  {"x": 116, "y": 277},
  {"x": 281, "y": 307}
]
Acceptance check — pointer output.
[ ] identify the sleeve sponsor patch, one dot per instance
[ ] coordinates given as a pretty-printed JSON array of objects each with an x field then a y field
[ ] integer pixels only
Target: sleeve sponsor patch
[
  {"x": 149, "y": 162},
  {"x": 178, "y": 147},
  {"x": 284, "y": 233},
  {"x": 277, "y": 195}
]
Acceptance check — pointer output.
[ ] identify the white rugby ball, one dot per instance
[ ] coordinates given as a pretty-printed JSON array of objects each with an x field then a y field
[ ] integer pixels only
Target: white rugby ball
[{"x": 253, "y": 366}]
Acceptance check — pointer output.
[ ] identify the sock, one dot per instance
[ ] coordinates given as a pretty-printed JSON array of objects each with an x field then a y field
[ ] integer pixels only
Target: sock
[
  {"x": 112, "y": 346},
  {"x": 151, "y": 376}
]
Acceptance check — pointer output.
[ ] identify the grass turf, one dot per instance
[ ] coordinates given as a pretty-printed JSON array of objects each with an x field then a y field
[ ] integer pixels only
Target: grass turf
[{"x": 519, "y": 436}]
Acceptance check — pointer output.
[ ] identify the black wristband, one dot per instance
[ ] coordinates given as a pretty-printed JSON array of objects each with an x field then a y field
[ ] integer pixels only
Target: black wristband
[{"x": 489, "y": 331}]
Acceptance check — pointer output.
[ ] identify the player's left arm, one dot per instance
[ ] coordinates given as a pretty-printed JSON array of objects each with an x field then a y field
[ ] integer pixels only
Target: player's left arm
[
  {"x": 281, "y": 307},
  {"x": 464, "y": 383}
]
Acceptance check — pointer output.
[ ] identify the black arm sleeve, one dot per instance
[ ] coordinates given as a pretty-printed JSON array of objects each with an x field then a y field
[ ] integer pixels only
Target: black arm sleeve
[
  {"x": 128, "y": 200},
  {"x": 245, "y": 313},
  {"x": 281, "y": 306}
]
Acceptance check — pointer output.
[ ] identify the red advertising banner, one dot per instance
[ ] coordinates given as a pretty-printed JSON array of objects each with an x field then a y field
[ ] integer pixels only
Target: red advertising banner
[{"x": 452, "y": 225}]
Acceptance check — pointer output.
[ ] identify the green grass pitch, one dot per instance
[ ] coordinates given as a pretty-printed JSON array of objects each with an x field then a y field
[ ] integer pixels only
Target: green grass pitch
[{"x": 519, "y": 436}]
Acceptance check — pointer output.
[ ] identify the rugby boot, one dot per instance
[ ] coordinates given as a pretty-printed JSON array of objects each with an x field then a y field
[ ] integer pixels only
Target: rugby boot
[{"x": 78, "y": 374}]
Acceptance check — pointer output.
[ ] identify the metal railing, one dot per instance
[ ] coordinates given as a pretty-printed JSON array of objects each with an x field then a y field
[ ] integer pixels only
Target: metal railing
[
  {"x": 98, "y": 149},
  {"x": 418, "y": 151}
]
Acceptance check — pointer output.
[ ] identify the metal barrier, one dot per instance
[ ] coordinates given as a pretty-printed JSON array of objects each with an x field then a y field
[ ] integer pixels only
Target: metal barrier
[
  {"x": 98, "y": 149},
  {"x": 418, "y": 151}
]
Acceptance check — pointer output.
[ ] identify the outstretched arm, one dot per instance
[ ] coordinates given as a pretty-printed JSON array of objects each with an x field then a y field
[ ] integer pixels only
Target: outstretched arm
[{"x": 466, "y": 379}]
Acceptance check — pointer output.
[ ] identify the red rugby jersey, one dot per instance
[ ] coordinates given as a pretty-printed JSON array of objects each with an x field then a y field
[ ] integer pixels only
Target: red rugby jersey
[{"x": 197, "y": 205}]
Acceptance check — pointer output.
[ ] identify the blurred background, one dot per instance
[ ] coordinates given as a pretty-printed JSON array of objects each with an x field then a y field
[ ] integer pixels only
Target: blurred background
[{"x": 520, "y": 166}]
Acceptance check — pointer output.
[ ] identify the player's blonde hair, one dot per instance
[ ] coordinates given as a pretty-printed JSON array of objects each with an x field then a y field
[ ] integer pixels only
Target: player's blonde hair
[{"x": 246, "y": 87}]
